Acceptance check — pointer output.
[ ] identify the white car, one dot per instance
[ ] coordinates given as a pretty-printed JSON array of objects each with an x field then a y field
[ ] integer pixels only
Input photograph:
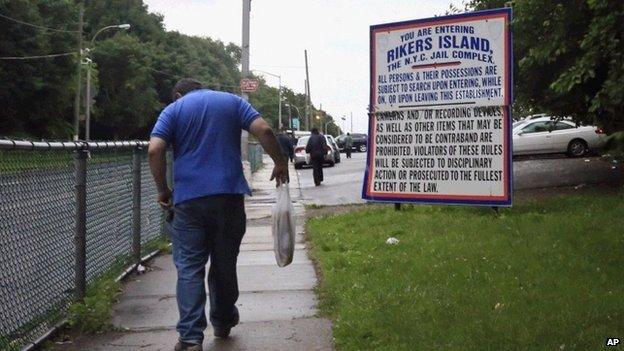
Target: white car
[
  {"x": 302, "y": 158},
  {"x": 544, "y": 135}
]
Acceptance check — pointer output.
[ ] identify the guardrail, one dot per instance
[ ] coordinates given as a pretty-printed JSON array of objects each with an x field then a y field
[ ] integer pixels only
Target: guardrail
[{"x": 69, "y": 212}]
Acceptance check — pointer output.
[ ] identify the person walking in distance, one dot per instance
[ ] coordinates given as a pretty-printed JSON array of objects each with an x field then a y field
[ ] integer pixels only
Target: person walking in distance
[
  {"x": 348, "y": 142},
  {"x": 204, "y": 128},
  {"x": 286, "y": 144},
  {"x": 317, "y": 148}
]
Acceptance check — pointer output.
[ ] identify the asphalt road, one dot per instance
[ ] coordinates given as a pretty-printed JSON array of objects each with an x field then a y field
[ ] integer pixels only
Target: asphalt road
[{"x": 343, "y": 182}]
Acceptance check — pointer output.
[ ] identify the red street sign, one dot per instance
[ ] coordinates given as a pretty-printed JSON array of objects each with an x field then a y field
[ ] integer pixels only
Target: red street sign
[{"x": 249, "y": 85}]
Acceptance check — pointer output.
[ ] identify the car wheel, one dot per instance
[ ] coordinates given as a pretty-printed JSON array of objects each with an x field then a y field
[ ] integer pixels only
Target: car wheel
[
  {"x": 577, "y": 148},
  {"x": 331, "y": 164},
  {"x": 362, "y": 148}
]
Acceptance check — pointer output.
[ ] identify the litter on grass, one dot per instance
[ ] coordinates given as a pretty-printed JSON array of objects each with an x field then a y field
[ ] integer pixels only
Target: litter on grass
[{"x": 392, "y": 241}]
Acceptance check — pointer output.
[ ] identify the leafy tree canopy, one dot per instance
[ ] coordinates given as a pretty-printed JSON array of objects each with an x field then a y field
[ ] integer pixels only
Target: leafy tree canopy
[
  {"x": 132, "y": 73},
  {"x": 569, "y": 58}
]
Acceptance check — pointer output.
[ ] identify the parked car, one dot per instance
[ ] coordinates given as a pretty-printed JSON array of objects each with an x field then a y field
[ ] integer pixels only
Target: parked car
[
  {"x": 360, "y": 142},
  {"x": 299, "y": 133},
  {"x": 335, "y": 147},
  {"x": 543, "y": 135},
  {"x": 303, "y": 159}
]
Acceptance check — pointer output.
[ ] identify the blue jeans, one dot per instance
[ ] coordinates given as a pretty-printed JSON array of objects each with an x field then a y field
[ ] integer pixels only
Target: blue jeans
[{"x": 207, "y": 227}]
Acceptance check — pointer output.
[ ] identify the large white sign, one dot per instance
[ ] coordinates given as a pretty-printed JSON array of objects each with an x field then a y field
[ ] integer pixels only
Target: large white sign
[{"x": 440, "y": 124}]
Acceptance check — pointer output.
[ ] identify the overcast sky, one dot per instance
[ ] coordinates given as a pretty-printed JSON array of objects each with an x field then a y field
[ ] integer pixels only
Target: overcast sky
[{"x": 335, "y": 33}]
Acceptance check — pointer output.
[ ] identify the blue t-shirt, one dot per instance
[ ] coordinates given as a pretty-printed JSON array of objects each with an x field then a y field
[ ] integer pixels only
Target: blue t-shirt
[{"x": 204, "y": 127}]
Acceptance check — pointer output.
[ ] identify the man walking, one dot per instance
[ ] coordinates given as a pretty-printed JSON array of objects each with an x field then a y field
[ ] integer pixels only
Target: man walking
[
  {"x": 285, "y": 142},
  {"x": 348, "y": 142},
  {"x": 204, "y": 128},
  {"x": 317, "y": 148}
]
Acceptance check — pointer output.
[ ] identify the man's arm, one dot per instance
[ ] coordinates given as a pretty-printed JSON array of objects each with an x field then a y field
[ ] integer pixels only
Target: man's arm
[
  {"x": 158, "y": 165},
  {"x": 263, "y": 132}
]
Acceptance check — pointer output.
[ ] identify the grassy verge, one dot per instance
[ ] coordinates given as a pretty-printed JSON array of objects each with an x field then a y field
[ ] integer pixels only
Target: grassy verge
[
  {"x": 541, "y": 276},
  {"x": 93, "y": 313}
]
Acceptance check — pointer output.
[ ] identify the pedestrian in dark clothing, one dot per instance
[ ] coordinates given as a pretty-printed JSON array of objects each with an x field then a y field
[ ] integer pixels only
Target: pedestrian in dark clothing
[
  {"x": 348, "y": 142},
  {"x": 317, "y": 148},
  {"x": 286, "y": 145},
  {"x": 204, "y": 128}
]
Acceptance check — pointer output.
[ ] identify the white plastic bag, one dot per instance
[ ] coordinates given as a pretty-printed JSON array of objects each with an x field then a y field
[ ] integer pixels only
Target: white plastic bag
[{"x": 283, "y": 226}]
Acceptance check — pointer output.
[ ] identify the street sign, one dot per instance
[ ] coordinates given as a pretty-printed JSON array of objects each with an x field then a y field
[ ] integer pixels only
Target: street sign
[
  {"x": 295, "y": 123},
  {"x": 249, "y": 85},
  {"x": 440, "y": 120}
]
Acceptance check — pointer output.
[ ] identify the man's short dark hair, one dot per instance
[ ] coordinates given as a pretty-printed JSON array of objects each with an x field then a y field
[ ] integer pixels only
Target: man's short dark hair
[
  {"x": 315, "y": 131},
  {"x": 184, "y": 86}
]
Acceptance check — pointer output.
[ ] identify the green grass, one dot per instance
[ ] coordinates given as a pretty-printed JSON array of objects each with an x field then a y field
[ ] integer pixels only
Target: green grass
[
  {"x": 540, "y": 276},
  {"x": 93, "y": 313},
  {"x": 161, "y": 244}
]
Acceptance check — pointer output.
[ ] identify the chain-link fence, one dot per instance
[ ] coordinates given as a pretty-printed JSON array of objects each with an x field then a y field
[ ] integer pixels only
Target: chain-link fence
[
  {"x": 255, "y": 156},
  {"x": 68, "y": 213}
]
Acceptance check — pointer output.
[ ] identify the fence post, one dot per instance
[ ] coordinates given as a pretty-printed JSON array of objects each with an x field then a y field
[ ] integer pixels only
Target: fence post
[
  {"x": 136, "y": 204},
  {"x": 80, "y": 234}
]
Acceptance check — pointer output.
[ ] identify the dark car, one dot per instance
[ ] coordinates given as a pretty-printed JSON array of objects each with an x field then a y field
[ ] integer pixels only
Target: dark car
[{"x": 360, "y": 141}]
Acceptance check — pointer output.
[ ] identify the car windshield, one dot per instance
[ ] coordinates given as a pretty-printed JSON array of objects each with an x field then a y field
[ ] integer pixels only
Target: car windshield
[
  {"x": 303, "y": 141},
  {"x": 517, "y": 124}
]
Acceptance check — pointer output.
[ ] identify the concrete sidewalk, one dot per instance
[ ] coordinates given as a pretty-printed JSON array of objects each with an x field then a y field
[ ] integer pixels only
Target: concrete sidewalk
[{"x": 277, "y": 305}]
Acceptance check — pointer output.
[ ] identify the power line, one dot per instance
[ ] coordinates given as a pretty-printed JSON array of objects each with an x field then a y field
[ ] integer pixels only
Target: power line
[
  {"x": 36, "y": 56},
  {"x": 36, "y": 25}
]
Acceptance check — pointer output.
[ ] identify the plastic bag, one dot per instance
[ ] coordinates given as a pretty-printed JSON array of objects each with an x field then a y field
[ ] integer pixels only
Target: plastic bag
[{"x": 283, "y": 226}]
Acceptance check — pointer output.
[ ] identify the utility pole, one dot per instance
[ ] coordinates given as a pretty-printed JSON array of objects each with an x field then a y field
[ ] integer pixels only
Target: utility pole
[
  {"x": 245, "y": 74},
  {"x": 88, "y": 102},
  {"x": 290, "y": 125},
  {"x": 322, "y": 115},
  {"x": 305, "y": 120},
  {"x": 78, "y": 73},
  {"x": 352, "y": 122},
  {"x": 307, "y": 89}
]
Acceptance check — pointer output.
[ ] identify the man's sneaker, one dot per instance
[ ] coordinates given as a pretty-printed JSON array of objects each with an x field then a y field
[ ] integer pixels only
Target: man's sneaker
[
  {"x": 185, "y": 346},
  {"x": 223, "y": 333}
]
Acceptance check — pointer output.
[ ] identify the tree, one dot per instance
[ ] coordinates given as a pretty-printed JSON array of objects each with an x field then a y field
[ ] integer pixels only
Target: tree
[
  {"x": 133, "y": 71},
  {"x": 127, "y": 100},
  {"x": 569, "y": 58},
  {"x": 37, "y": 95}
]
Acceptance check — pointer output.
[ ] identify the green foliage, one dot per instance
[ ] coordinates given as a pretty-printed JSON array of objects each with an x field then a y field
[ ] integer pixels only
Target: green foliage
[
  {"x": 93, "y": 314},
  {"x": 37, "y": 95},
  {"x": 265, "y": 100},
  {"x": 539, "y": 276},
  {"x": 615, "y": 145},
  {"x": 132, "y": 76},
  {"x": 569, "y": 58},
  {"x": 162, "y": 244},
  {"x": 126, "y": 94}
]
